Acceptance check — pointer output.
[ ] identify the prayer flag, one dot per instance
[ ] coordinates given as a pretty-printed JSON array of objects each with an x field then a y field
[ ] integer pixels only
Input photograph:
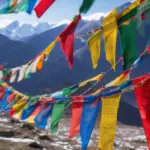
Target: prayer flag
[
  {"x": 142, "y": 93},
  {"x": 110, "y": 29},
  {"x": 42, "y": 7},
  {"x": 67, "y": 39},
  {"x": 108, "y": 121},
  {"x": 76, "y": 115},
  {"x": 94, "y": 44},
  {"x": 86, "y": 5},
  {"x": 128, "y": 41},
  {"x": 89, "y": 115}
]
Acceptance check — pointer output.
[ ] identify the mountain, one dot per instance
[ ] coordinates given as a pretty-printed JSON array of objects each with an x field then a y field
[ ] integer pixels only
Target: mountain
[
  {"x": 8, "y": 31},
  {"x": 24, "y": 32},
  {"x": 42, "y": 27},
  {"x": 17, "y": 32},
  {"x": 14, "y": 53},
  {"x": 12, "y": 26}
]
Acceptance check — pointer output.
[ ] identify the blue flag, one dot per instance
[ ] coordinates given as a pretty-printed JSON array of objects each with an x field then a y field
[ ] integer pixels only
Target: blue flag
[
  {"x": 4, "y": 102},
  {"x": 42, "y": 118},
  {"x": 31, "y": 5},
  {"x": 29, "y": 109},
  {"x": 89, "y": 114}
]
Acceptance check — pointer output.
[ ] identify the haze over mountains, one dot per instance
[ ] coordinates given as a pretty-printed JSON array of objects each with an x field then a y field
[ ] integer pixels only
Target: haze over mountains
[{"x": 21, "y": 43}]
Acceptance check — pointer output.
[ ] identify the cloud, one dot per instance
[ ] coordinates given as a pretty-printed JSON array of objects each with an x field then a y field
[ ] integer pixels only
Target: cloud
[{"x": 5, "y": 22}]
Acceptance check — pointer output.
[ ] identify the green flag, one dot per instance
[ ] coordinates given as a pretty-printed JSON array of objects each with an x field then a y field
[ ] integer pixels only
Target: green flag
[
  {"x": 86, "y": 5},
  {"x": 15, "y": 6},
  {"x": 128, "y": 35},
  {"x": 59, "y": 109},
  {"x": 20, "y": 7},
  {"x": 57, "y": 113}
]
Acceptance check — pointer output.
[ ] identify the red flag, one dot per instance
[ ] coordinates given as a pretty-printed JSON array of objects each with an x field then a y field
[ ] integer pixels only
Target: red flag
[
  {"x": 148, "y": 49},
  {"x": 2, "y": 92},
  {"x": 11, "y": 97},
  {"x": 67, "y": 39},
  {"x": 76, "y": 116},
  {"x": 142, "y": 93},
  {"x": 43, "y": 6}
]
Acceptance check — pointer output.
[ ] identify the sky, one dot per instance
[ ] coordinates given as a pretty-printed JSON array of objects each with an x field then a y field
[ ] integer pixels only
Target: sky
[{"x": 63, "y": 10}]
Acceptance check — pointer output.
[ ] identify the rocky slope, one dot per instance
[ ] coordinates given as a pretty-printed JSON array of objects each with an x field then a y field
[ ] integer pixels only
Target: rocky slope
[{"x": 20, "y": 136}]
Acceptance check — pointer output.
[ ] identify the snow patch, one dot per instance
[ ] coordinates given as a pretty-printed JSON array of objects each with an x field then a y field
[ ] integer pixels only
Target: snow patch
[
  {"x": 3, "y": 125},
  {"x": 4, "y": 120},
  {"x": 17, "y": 140},
  {"x": 140, "y": 138}
]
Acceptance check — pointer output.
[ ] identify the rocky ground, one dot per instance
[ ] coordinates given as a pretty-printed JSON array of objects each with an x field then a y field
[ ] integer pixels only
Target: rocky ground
[{"x": 20, "y": 136}]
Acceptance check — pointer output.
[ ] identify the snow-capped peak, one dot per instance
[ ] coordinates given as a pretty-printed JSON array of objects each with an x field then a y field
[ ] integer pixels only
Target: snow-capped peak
[
  {"x": 13, "y": 25},
  {"x": 64, "y": 22},
  {"x": 95, "y": 16}
]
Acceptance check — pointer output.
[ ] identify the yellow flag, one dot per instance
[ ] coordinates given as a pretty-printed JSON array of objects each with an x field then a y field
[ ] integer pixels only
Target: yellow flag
[
  {"x": 17, "y": 116},
  {"x": 108, "y": 121},
  {"x": 110, "y": 28},
  {"x": 48, "y": 50},
  {"x": 122, "y": 78},
  {"x": 20, "y": 105},
  {"x": 96, "y": 78},
  {"x": 94, "y": 44}
]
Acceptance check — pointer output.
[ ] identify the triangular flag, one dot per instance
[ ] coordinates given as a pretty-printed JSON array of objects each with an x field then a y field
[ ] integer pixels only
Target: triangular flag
[
  {"x": 122, "y": 78},
  {"x": 67, "y": 39},
  {"x": 89, "y": 115},
  {"x": 36, "y": 111},
  {"x": 96, "y": 78},
  {"x": 30, "y": 107},
  {"x": 42, "y": 118},
  {"x": 17, "y": 107},
  {"x": 94, "y": 44},
  {"x": 48, "y": 50}
]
